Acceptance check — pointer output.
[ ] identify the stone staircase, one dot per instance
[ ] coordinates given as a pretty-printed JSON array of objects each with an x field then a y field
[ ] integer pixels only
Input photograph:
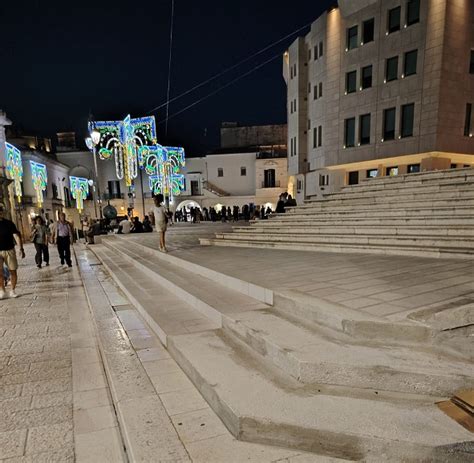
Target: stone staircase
[
  {"x": 426, "y": 214},
  {"x": 282, "y": 370}
]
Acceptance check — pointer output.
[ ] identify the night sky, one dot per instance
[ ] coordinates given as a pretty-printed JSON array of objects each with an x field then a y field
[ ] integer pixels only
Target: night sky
[{"x": 61, "y": 60}]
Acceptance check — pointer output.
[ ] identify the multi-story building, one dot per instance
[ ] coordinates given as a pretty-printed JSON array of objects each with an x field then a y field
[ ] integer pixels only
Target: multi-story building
[{"x": 380, "y": 87}]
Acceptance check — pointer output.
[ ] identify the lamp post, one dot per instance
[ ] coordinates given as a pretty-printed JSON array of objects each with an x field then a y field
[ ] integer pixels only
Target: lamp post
[{"x": 91, "y": 143}]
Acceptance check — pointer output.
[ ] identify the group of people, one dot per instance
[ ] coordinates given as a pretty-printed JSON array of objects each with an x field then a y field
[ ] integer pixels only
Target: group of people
[
  {"x": 42, "y": 234},
  {"x": 284, "y": 201},
  {"x": 127, "y": 226},
  {"x": 224, "y": 214}
]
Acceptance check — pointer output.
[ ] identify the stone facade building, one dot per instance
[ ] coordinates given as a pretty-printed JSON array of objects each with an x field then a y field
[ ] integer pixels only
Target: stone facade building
[{"x": 380, "y": 88}]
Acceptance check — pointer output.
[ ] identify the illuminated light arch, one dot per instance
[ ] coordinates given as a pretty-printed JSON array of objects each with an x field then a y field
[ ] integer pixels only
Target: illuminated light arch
[
  {"x": 14, "y": 168},
  {"x": 40, "y": 180},
  {"x": 79, "y": 191}
]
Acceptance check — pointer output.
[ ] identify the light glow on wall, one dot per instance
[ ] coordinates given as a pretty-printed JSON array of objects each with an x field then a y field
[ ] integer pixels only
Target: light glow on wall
[
  {"x": 14, "y": 168},
  {"x": 40, "y": 180}
]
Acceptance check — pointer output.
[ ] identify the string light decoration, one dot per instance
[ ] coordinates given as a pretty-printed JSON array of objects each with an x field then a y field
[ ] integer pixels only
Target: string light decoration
[
  {"x": 79, "y": 191},
  {"x": 40, "y": 179},
  {"x": 122, "y": 140},
  {"x": 166, "y": 178},
  {"x": 14, "y": 168}
]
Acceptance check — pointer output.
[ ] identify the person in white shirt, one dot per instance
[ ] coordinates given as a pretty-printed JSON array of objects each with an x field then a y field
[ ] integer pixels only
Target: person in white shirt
[
  {"x": 125, "y": 226},
  {"x": 161, "y": 220}
]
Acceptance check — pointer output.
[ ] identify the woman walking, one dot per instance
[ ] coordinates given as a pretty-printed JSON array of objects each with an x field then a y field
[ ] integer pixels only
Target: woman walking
[
  {"x": 39, "y": 237},
  {"x": 161, "y": 220}
]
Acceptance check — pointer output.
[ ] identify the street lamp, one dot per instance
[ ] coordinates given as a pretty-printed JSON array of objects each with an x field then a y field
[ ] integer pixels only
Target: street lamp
[{"x": 91, "y": 143}]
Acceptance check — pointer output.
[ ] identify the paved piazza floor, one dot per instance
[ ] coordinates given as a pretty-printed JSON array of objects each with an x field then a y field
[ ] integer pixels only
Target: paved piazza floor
[{"x": 386, "y": 286}]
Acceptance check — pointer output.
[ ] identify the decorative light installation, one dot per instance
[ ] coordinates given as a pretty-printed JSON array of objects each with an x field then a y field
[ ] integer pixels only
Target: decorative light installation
[
  {"x": 40, "y": 180},
  {"x": 122, "y": 140},
  {"x": 14, "y": 168},
  {"x": 79, "y": 190},
  {"x": 166, "y": 180}
]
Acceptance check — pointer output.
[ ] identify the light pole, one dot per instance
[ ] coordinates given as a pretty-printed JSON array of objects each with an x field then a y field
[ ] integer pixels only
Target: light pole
[{"x": 92, "y": 143}]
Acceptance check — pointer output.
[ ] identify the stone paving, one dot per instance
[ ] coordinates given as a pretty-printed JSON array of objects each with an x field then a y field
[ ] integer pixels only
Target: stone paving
[{"x": 386, "y": 286}]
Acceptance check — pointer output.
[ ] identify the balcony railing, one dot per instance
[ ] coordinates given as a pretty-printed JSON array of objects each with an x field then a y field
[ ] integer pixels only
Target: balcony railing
[{"x": 275, "y": 184}]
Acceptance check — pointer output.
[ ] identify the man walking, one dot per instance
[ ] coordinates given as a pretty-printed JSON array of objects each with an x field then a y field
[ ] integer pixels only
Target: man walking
[
  {"x": 8, "y": 231},
  {"x": 62, "y": 235}
]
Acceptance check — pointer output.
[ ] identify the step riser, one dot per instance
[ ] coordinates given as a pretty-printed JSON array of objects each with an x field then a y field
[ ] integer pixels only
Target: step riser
[
  {"x": 364, "y": 222},
  {"x": 379, "y": 378},
  {"x": 434, "y": 253},
  {"x": 205, "y": 309},
  {"x": 432, "y": 183},
  {"x": 363, "y": 240},
  {"x": 346, "y": 229},
  {"x": 378, "y": 212}
]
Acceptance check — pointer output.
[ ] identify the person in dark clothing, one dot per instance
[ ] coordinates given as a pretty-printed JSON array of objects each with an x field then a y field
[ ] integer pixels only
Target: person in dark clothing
[
  {"x": 235, "y": 214},
  {"x": 8, "y": 231},
  {"x": 40, "y": 236},
  {"x": 63, "y": 236},
  {"x": 137, "y": 226},
  {"x": 262, "y": 212},
  {"x": 147, "y": 227}
]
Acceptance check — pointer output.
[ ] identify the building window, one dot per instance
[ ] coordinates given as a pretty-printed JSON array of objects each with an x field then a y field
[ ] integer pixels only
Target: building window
[
  {"x": 309, "y": 87},
  {"x": 243, "y": 171},
  {"x": 471, "y": 64},
  {"x": 408, "y": 113},
  {"x": 410, "y": 62},
  {"x": 315, "y": 92},
  {"x": 320, "y": 135},
  {"x": 320, "y": 89},
  {"x": 54, "y": 189},
  {"x": 351, "y": 82},
  {"x": 352, "y": 33},
  {"x": 364, "y": 129},
  {"x": 309, "y": 54},
  {"x": 291, "y": 72},
  {"x": 366, "y": 77},
  {"x": 368, "y": 31},
  {"x": 392, "y": 171},
  {"x": 320, "y": 49},
  {"x": 114, "y": 189},
  {"x": 391, "y": 69},
  {"x": 413, "y": 168},
  {"x": 413, "y": 12},
  {"x": 269, "y": 178},
  {"x": 372, "y": 173},
  {"x": 309, "y": 124},
  {"x": 349, "y": 132},
  {"x": 294, "y": 70},
  {"x": 394, "y": 16},
  {"x": 389, "y": 124},
  {"x": 467, "y": 121},
  {"x": 353, "y": 178},
  {"x": 323, "y": 180},
  {"x": 315, "y": 137},
  {"x": 220, "y": 172}
]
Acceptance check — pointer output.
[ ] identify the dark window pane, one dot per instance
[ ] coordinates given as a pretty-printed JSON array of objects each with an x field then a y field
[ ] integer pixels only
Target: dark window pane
[
  {"x": 391, "y": 70},
  {"x": 471, "y": 64},
  {"x": 353, "y": 178},
  {"x": 320, "y": 89},
  {"x": 392, "y": 171},
  {"x": 408, "y": 113},
  {"x": 349, "y": 132},
  {"x": 351, "y": 82},
  {"x": 410, "y": 63},
  {"x": 413, "y": 168},
  {"x": 368, "y": 31},
  {"x": 320, "y": 49},
  {"x": 364, "y": 129},
  {"x": 315, "y": 137},
  {"x": 352, "y": 37},
  {"x": 467, "y": 122},
  {"x": 220, "y": 172},
  {"x": 243, "y": 171},
  {"x": 366, "y": 77},
  {"x": 320, "y": 135},
  {"x": 413, "y": 12},
  {"x": 394, "y": 19},
  {"x": 315, "y": 94},
  {"x": 389, "y": 124}
]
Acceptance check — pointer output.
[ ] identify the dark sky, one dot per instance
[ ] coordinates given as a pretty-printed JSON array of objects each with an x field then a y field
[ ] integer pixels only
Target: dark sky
[{"x": 60, "y": 60}]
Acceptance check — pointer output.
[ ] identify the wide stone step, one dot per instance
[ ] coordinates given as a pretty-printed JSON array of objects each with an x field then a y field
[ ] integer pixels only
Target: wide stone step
[
  {"x": 403, "y": 250},
  {"x": 445, "y": 242},
  {"x": 435, "y": 189},
  {"x": 310, "y": 357},
  {"x": 259, "y": 404},
  {"x": 199, "y": 292},
  {"x": 360, "y": 229}
]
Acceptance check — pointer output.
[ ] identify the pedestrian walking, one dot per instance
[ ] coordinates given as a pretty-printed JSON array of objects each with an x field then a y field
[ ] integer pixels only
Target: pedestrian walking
[
  {"x": 161, "y": 220},
  {"x": 63, "y": 236},
  {"x": 8, "y": 233},
  {"x": 40, "y": 236}
]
